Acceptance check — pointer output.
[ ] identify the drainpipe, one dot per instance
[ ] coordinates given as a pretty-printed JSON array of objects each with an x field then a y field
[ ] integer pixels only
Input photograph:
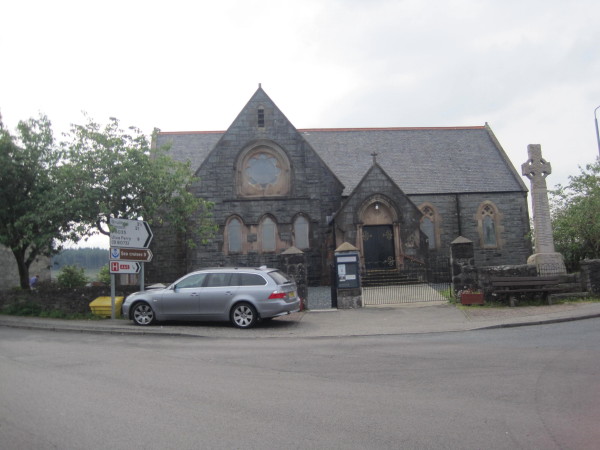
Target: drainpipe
[{"x": 457, "y": 199}]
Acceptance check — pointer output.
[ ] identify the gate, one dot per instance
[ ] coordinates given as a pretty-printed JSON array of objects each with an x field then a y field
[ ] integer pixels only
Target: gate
[{"x": 416, "y": 283}]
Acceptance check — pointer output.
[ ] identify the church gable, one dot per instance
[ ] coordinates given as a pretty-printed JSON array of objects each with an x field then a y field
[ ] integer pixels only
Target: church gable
[
  {"x": 376, "y": 185},
  {"x": 377, "y": 210},
  {"x": 262, "y": 155}
]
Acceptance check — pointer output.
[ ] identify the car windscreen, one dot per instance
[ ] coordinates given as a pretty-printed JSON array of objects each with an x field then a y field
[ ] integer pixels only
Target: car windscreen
[{"x": 280, "y": 277}]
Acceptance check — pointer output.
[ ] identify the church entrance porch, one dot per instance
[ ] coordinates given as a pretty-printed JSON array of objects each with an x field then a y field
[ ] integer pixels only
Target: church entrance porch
[{"x": 378, "y": 246}]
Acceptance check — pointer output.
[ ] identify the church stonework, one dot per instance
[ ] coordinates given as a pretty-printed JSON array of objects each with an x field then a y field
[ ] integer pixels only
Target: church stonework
[
  {"x": 399, "y": 195},
  {"x": 545, "y": 258}
]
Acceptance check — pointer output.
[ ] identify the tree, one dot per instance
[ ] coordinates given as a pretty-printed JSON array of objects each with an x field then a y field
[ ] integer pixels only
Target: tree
[
  {"x": 52, "y": 193},
  {"x": 114, "y": 173},
  {"x": 576, "y": 216},
  {"x": 33, "y": 218}
]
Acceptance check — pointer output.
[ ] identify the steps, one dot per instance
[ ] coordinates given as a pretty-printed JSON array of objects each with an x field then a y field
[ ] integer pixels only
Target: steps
[{"x": 381, "y": 277}]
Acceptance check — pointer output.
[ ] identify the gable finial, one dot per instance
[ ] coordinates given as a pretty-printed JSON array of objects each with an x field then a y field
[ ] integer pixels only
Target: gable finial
[
  {"x": 374, "y": 155},
  {"x": 259, "y": 85}
]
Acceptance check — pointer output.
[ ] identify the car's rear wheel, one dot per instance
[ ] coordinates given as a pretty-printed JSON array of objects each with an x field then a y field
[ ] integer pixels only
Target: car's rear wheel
[
  {"x": 143, "y": 314},
  {"x": 244, "y": 315}
]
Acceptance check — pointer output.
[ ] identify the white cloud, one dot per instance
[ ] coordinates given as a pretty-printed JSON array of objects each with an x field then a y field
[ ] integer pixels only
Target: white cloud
[{"x": 528, "y": 67}]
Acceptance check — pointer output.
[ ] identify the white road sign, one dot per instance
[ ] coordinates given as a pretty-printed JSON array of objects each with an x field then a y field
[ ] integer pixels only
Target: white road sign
[
  {"x": 130, "y": 233},
  {"x": 124, "y": 267}
]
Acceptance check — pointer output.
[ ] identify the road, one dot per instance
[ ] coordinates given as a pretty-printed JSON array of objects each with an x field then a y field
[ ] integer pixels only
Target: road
[{"x": 533, "y": 387}]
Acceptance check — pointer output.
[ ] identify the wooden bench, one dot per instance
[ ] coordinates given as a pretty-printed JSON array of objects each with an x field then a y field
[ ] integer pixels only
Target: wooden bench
[{"x": 509, "y": 286}]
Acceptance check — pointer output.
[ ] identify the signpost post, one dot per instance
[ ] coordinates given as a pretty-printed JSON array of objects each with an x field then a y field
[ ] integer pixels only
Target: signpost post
[{"x": 129, "y": 241}]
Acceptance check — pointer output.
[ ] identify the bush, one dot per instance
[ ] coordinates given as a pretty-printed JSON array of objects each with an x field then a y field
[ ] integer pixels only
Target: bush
[
  {"x": 104, "y": 275},
  {"x": 71, "y": 277}
]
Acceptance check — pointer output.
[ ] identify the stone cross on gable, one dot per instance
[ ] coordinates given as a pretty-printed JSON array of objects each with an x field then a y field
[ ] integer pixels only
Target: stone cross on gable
[{"x": 537, "y": 169}]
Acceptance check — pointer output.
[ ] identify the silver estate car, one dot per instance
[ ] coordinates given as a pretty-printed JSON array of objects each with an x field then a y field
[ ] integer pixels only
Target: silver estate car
[{"x": 241, "y": 295}]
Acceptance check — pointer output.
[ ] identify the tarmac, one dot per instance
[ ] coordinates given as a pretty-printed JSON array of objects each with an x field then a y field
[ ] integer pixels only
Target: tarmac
[{"x": 413, "y": 318}]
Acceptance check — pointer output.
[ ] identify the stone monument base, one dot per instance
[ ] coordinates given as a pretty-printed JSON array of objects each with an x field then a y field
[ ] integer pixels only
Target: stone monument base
[{"x": 548, "y": 263}]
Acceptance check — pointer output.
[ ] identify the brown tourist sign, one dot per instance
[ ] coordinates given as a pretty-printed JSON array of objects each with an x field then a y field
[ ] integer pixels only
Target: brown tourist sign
[{"x": 131, "y": 254}]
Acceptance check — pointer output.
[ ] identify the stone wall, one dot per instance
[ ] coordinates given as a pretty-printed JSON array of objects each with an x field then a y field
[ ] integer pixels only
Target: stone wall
[
  {"x": 349, "y": 298},
  {"x": 48, "y": 297},
  {"x": 458, "y": 217},
  {"x": 590, "y": 276},
  {"x": 9, "y": 275}
]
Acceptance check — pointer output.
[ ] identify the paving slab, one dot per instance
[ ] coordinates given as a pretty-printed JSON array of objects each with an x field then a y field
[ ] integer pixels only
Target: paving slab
[{"x": 425, "y": 317}]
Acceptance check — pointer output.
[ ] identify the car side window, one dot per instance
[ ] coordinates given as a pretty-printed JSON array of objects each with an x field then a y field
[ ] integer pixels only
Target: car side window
[
  {"x": 219, "y": 279},
  {"x": 193, "y": 281},
  {"x": 251, "y": 279}
]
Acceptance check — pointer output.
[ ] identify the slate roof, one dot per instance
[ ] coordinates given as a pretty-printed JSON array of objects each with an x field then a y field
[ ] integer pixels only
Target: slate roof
[{"x": 419, "y": 160}]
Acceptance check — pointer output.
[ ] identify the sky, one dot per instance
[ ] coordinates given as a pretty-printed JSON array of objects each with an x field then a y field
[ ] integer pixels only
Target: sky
[{"x": 529, "y": 68}]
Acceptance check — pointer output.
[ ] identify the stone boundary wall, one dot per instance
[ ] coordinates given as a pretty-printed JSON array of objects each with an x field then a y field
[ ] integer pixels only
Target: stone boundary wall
[
  {"x": 590, "y": 275},
  {"x": 67, "y": 300}
]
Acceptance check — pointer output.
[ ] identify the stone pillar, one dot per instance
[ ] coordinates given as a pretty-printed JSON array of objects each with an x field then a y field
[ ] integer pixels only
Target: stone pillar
[
  {"x": 293, "y": 263},
  {"x": 545, "y": 258},
  {"x": 590, "y": 275},
  {"x": 462, "y": 263}
]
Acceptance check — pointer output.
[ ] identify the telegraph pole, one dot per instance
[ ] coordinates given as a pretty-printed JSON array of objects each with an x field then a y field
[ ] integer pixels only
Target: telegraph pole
[{"x": 597, "y": 133}]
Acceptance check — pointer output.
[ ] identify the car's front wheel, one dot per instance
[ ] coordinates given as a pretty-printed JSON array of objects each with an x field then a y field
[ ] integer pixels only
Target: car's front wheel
[
  {"x": 143, "y": 314},
  {"x": 244, "y": 315}
]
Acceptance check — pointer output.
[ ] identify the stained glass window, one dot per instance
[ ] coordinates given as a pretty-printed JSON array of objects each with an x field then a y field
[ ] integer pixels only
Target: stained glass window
[
  {"x": 301, "y": 232},
  {"x": 268, "y": 230},
  {"x": 234, "y": 236}
]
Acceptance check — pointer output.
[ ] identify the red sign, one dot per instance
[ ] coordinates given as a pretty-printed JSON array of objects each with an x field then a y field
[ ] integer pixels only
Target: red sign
[{"x": 124, "y": 267}]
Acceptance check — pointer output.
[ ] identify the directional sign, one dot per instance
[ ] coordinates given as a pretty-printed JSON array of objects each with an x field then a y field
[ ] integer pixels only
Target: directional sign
[
  {"x": 130, "y": 233},
  {"x": 124, "y": 267},
  {"x": 131, "y": 254}
]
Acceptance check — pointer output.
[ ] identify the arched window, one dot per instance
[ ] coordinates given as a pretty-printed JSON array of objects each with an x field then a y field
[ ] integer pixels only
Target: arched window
[
  {"x": 234, "y": 234},
  {"x": 268, "y": 232},
  {"x": 301, "y": 233},
  {"x": 430, "y": 224},
  {"x": 487, "y": 218}
]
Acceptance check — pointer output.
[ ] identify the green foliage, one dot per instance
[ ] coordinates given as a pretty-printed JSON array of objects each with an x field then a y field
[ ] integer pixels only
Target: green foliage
[
  {"x": 118, "y": 174},
  {"x": 576, "y": 216},
  {"x": 50, "y": 193},
  {"x": 33, "y": 309},
  {"x": 72, "y": 277},
  {"x": 22, "y": 309},
  {"x": 104, "y": 275},
  {"x": 33, "y": 216}
]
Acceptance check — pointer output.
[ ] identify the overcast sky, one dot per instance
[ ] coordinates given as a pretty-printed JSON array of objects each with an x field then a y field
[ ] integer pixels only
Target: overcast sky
[{"x": 531, "y": 69}]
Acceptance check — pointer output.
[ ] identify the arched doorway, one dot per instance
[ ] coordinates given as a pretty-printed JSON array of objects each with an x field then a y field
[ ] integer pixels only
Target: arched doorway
[{"x": 379, "y": 235}]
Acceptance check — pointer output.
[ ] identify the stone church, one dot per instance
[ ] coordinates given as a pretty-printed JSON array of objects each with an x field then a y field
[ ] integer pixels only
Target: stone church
[{"x": 399, "y": 195}]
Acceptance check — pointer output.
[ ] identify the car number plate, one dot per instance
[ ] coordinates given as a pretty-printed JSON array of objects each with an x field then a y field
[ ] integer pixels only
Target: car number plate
[{"x": 292, "y": 294}]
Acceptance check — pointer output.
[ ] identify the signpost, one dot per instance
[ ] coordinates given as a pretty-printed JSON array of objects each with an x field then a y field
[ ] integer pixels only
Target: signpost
[
  {"x": 130, "y": 233},
  {"x": 129, "y": 241}
]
